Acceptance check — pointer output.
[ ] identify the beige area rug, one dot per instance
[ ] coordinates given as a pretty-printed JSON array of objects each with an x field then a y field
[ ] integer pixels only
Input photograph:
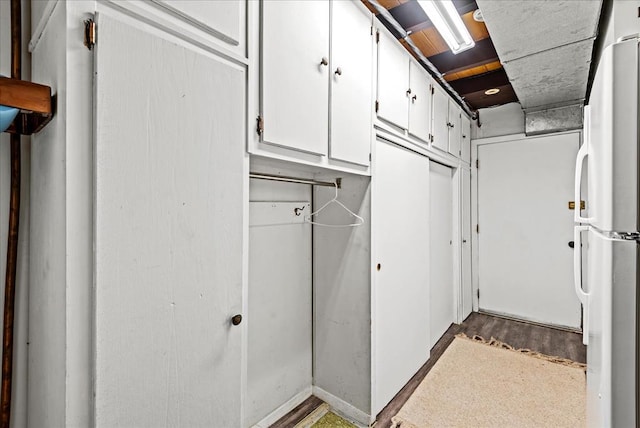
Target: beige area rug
[{"x": 478, "y": 383}]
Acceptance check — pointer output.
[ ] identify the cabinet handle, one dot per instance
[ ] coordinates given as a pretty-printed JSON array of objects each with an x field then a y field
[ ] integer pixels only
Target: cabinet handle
[
  {"x": 324, "y": 61},
  {"x": 408, "y": 91},
  {"x": 414, "y": 98},
  {"x": 338, "y": 71}
]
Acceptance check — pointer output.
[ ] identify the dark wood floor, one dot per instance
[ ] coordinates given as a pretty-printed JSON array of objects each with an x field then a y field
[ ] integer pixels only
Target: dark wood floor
[
  {"x": 518, "y": 334},
  {"x": 546, "y": 340}
]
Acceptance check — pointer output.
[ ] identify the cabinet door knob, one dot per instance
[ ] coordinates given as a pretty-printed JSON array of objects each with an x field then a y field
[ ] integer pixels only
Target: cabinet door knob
[
  {"x": 338, "y": 71},
  {"x": 408, "y": 91},
  {"x": 414, "y": 98},
  {"x": 236, "y": 319},
  {"x": 324, "y": 61},
  {"x": 464, "y": 241}
]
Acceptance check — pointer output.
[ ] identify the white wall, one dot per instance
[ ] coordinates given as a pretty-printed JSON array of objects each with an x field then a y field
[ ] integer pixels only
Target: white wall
[
  {"x": 342, "y": 295},
  {"x": 20, "y": 338},
  {"x": 496, "y": 121}
]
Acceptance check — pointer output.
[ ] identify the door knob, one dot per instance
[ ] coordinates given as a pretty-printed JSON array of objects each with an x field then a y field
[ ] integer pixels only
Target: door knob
[
  {"x": 414, "y": 98},
  {"x": 324, "y": 61},
  {"x": 464, "y": 241},
  {"x": 338, "y": 71},
  {"x": 408, "y": 91},
  {"x": 571, "y": 244},
  {"x": 236, "y": 319}
]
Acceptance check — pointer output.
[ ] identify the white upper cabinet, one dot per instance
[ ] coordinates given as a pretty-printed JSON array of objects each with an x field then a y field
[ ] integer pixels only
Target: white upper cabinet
[
  {"x": 393, "y": 81},
  {"x": 440, "y": 130},
  {"x": 295, "y": 74},
  {"x": 465, "y": 140},
  {"x": 454, "y": 128},
  {"x": 351, "y": 83},
  {"x": 420, "y": 103}
]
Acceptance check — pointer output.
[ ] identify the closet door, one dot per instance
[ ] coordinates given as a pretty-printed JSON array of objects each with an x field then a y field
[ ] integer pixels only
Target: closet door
[
  {"x": 465, "y": 205},
  {"x": 295, "y": 74},
  {"x": 168, "y": 232},
  {"x": 441, "y": 246},
  {"x": 400, "y": 234},
  {"x": 351, "y": 83}
]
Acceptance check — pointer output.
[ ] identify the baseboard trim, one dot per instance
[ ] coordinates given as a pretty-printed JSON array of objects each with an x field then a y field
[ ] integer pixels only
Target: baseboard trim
[
  {"x": 295, "y": 401},
  {"x": 343, "y": 408},
  {"x": 527, "y": 321}
]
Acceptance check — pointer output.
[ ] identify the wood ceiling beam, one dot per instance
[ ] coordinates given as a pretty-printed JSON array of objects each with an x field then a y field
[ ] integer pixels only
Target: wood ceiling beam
[
  {"x": 482, "y": 82},
  {"x": 483, "y": 53}
]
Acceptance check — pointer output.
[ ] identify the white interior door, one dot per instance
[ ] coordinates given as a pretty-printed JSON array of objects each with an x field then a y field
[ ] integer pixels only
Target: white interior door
[
  {"x": 295, "y": 74},
  {"x": 400, "y": 233},
  {"x": 279, "y": 315},
  {"x": 351, "y": 83},
  {"x": 441, "y": 300},
  {"x": 168, "y": 232},
  {"x": 525, "y": 262}
]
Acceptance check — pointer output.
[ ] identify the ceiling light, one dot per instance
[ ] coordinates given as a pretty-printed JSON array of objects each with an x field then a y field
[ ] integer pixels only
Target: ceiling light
[
  {"x": 477, "y": 16},
  {"x": 492, "y": 91},
  {"x": 447, "y": 21}
]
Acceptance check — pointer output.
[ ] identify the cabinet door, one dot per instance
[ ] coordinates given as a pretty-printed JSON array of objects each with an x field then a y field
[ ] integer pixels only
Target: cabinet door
[
  {"x": 351, "y": 83},
  {"x": 168, "y": 236},
  {"x": 465, "y": 140},
  {"x": 420, "y": 107},
  {"x": 401, "y": 240},
  {"x": 454, "y": 128},
  {"x": 393, "y": 81},
  {"x": 440, "y": 130},
  {"x": 295, "y": 80}
]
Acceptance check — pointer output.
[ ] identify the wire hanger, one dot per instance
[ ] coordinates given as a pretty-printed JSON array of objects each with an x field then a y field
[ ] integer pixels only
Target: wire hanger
[{"x": 359, "y": 222}]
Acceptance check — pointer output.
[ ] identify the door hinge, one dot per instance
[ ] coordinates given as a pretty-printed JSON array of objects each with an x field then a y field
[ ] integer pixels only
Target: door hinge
[
  {"x": 478, "y": 293},
  {"x": 433, "y": 89},
  {"x": 477, "y": 228},
  {"x": 372, "y": 30},
  {"x": 89, "y": 33},
  {"x": 259, "y": 125},
  {"x": 377, "y": 105},
  {"x": 369, "y": 157},
  {"x": 377, "y": 36},
  {"x": 477, "y": 163}
]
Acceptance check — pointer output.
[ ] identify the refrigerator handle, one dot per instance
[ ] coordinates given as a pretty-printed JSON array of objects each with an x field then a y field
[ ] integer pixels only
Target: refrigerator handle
[
  {"x": 582, "y": 154},
  {"x": 577, "y": 277}
]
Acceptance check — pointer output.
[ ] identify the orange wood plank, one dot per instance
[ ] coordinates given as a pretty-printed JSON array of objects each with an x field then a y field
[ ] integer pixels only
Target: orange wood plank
[
  {"x": 477, "y": 30},
  {"x": 474, "y": 71},
  {"x": 25, "y": 95}
]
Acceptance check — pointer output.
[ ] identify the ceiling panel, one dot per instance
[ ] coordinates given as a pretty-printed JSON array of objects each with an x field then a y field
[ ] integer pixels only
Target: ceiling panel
[
  {"x": 495, "y": 65},
  {"x": 522, "y": 27},
  {"x": 551, "y": 77}
]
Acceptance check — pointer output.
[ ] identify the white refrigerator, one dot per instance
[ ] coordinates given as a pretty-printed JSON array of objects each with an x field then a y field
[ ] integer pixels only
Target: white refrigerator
[{"x": 606, "y": 248}]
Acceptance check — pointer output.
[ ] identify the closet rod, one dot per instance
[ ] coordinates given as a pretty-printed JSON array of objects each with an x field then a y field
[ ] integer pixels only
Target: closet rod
[{"x": 271, "y": 177}]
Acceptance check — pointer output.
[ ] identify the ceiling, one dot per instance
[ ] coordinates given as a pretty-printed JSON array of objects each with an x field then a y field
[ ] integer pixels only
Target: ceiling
[{"x": 537, "y": 52}]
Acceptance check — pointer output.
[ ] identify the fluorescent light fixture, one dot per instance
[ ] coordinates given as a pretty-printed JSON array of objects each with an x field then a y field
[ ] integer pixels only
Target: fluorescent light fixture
[{"x": 447, "y": 21}]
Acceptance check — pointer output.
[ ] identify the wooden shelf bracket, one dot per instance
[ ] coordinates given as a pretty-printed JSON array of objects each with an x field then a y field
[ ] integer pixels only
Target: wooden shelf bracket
[{"x": 34, "y": 101}]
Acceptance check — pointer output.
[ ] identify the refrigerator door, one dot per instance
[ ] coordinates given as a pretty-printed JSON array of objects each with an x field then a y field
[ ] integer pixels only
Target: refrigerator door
[
  {"x": 612, "y": 160},
  {"x": 611, "y": 354}
]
